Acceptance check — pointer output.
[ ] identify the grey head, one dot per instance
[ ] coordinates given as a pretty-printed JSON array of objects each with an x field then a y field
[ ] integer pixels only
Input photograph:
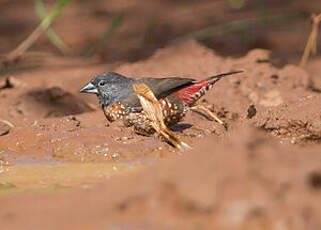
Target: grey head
[
  {"x": 109, "y": 87},
  {"x": 113, "y": 87}
]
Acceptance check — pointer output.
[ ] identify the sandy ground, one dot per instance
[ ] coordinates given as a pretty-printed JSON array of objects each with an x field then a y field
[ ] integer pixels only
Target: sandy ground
[
  {"x": 63, "y": 166},
  {"x": 262, "y": 172}
]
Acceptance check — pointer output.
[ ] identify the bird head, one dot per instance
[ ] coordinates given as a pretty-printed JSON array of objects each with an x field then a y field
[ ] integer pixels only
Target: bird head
[{"x": 109, "y": 87}]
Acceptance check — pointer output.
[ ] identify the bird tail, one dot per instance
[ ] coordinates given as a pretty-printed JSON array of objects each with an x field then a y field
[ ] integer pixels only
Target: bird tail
[
  {"x": 215, "y": 78},
  {"x": 195, "y": 91}
]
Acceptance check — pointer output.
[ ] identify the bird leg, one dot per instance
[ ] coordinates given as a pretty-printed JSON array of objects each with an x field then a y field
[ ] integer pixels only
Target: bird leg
[{"x": 208, "y": 112}]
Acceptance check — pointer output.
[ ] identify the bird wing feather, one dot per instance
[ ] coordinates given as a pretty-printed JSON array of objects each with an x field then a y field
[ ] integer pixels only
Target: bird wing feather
[
  {"x": 153, "y": 111},
  {"x": 161, "y": 87}
]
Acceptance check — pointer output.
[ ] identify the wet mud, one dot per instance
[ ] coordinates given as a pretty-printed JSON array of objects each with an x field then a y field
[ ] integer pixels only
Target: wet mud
[{"x": 62, "y": 165}]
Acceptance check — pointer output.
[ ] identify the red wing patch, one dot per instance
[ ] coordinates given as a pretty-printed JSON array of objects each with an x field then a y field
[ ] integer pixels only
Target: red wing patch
[{"x": 189, "y": 93}]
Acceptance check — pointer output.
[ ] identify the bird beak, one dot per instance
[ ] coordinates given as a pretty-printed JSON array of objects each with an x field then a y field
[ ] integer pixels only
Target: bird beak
[{"x": 89, "y": 88}]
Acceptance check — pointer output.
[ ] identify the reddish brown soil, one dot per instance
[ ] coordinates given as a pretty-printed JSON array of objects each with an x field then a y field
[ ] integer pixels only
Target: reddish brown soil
[
  {"x": 232, "y": 179},
  {"x": 262, "y": 172},
  {"x": 249, "y": 181}
]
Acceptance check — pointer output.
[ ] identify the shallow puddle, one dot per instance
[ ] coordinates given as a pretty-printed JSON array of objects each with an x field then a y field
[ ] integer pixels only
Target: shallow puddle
[{"x": 40, "y": 177}]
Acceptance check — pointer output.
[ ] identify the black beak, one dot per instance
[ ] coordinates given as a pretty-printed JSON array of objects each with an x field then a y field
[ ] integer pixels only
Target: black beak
[{"x": 89, "y": 88}]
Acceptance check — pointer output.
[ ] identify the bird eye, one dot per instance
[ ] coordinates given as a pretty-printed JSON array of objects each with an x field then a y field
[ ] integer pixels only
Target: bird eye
[{"x": 102, "y": 83}]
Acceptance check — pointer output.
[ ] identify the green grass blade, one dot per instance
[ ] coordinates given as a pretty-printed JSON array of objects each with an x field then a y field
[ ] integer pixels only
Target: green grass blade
[
  {"x": 46, "y": 22},
  {"x": 52, "y": 36},
  {"x": 32, "y": 38}
]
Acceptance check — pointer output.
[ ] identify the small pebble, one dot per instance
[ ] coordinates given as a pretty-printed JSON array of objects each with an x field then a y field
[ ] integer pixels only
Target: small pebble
[
  {"x": 114, "y": 155},
  {"x": 293, "y": 140},
  {"x": 86, "y": 186}
]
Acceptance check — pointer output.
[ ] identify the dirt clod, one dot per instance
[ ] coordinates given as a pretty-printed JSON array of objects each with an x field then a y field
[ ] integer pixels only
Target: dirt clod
[
  {"x": 251, "y": 111},
  {"x": 11, "y": 82},
  {"x": 315, "y": 179}
]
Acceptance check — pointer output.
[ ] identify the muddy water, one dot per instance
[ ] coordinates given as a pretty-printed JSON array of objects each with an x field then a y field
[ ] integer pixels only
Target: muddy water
[
  {"x": 60, "y": 153},
  {"x": 31, "y": 176}
]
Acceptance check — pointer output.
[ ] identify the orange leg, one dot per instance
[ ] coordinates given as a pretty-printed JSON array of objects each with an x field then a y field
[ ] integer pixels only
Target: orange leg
[{"x": 208, "y": 112}]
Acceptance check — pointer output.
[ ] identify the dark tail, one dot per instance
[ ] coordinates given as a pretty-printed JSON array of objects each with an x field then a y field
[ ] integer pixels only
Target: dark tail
[
  {"x": 191, "y": 93},
  {"x": 215, "y": 78}
]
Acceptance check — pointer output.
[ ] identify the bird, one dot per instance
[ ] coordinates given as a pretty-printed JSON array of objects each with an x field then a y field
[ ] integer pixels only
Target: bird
[{"x": 176, "y": 95}]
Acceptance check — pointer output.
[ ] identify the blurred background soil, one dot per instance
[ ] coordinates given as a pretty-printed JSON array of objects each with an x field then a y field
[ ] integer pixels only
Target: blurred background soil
[{"x": 63, "y": 166}]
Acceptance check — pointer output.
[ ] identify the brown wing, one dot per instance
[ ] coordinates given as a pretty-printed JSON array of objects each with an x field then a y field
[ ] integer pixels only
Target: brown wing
[
  {"x": 161, "y": 87},
  {"x": 153, "y": 111}
]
